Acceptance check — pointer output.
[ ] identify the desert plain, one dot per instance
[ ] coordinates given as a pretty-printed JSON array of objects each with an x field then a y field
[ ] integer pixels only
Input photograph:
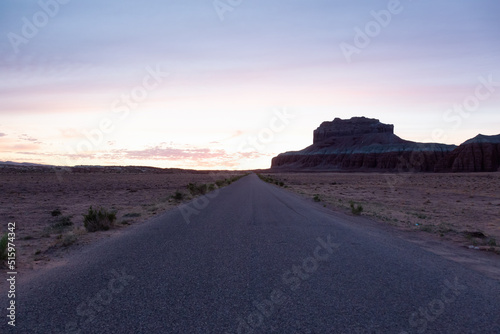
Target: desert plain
[
  {"x": 48, "y": 207},
  {"x": 460, "y": 208}
]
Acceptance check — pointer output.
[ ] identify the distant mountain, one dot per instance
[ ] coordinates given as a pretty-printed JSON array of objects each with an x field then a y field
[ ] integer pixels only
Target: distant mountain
[
  {"x": 483, "y": 139},
  {"x": 12, "y": 163},
  {"x": 362, "y": 143},
  {"x": 479, "y": 154}
]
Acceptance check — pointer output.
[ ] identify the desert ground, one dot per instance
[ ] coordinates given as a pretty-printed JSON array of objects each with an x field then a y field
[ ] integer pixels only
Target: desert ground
[
  {"x": 48, "y": 207},
  {"x": 463, "y": 209}
]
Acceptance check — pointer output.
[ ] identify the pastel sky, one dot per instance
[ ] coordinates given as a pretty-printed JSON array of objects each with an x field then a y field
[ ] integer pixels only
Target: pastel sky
[{"x": 229, "y": 84}]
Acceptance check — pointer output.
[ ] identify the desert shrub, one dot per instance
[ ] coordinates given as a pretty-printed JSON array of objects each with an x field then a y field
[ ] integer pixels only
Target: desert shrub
[
  {"x": 356, "y": 209},
  {"x": 99, "y": 220},
  {"x": 132, "y": 215},
  {"x": 316, "y": 198},
  {"x": 178, "y": 196},
  {"x": 282, "y": 183},
  {"x": 220, "y": 183},
  {"x": 64, "y": 221},
  {"x": 55, "y": 213},
  {"x": 427, "y": 228},
  {"x": 3, "y": 247},
  {"x": 69, "y": 240},
  {"x": 492, "y": 242},
  {"x": 196, "y": 189},
  {"x": 60, "y": 225}
]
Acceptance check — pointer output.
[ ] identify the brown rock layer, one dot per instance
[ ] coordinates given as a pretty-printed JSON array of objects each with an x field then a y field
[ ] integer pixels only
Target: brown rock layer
[
  {"x": 413, "y": 161},
  {"x": 362, "y": 144},
  {"x": 350, "y": 127},
  {"x": 479, "y": 154}
]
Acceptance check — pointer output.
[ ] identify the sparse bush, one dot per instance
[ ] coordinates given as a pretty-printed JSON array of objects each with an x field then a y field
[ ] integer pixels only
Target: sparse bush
[
  {"x": 59, "y": 225},
  {"x": 132, "y": 215},
  {"x": 69, "y": 240},
  {"x": 3, "y": 247},
  {"x": 55, "y": 213},
  {"x": 421, "y": 216},
  {"x": 426, "y": 228},
  {"x": 98, "y": 220},
  {"x": 178, "y": 196},
  {"x": 492, "y": 242},
  {"x": 356, "y": 209},
  {"x": 63, "y": 222},
  {"x": 220, "y": 183},
  {"x": 316, "y": 198},
  {"x": 282, "y": 183},
  {"x": 195, "y": 189}
]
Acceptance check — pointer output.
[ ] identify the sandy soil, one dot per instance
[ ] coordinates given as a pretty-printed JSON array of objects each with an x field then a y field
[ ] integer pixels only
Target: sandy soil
[
  {"x": 463, "y": 209},
  {"x": 29, "y": 198}
]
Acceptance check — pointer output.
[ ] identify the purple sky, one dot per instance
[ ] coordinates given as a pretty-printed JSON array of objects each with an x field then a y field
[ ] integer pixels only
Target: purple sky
[{"x": 203, "y": 84}]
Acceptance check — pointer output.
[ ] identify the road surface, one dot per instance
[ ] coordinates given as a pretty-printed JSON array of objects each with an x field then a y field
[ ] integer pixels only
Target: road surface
[{"x": 255, "y": 258}]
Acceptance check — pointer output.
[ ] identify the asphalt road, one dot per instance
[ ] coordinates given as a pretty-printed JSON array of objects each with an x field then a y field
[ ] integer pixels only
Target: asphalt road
[{"x": 254, "y": 258}]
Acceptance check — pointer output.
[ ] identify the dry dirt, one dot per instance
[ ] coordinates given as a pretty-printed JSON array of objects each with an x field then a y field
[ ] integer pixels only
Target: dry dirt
[
  {"x": 30, "y": 198},
  {"x": 462, "y": 209},
  {"x": 459, "y": 209}
]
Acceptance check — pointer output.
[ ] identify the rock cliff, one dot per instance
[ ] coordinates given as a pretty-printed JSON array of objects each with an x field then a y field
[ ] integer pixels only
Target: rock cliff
[
  {"x": 479, "y": 154},
  {"x": 362, "y": 144}
]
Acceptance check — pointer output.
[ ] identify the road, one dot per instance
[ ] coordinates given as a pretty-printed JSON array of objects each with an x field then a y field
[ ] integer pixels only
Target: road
[{"x": 255, "y": 258}]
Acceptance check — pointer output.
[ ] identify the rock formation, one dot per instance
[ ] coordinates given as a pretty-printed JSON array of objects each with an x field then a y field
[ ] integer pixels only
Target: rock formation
[
  {"x": 479, "y": 154},
  {"x": 350, "y": 127},
  {"x": 362, "y": 144}
]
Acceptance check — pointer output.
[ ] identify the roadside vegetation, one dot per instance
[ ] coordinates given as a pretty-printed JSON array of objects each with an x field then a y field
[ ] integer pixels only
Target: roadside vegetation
[
  {"x": 269, "y": 179},
  {"x": 413, "y": 203},
  {"x": 98, "y": 220},
  {"x": 118, "y": 197},
  {"x": 195, "y": 189},
  {"x": 356, "y": 209}
]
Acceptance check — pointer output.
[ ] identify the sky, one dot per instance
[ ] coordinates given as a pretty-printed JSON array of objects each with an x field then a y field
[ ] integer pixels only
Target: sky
[{"x": 228, "y": 84}]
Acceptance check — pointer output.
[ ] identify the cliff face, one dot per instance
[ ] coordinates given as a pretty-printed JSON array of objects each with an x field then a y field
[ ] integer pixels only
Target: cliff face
[
  {"x": 479, "y": 154},
  {"x": 362, "y": 144},
  {"x": 351, "y": 127}
]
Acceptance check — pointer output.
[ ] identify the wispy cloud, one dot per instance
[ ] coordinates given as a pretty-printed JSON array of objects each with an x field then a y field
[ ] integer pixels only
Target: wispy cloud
[{"x": 26, "y": 137}]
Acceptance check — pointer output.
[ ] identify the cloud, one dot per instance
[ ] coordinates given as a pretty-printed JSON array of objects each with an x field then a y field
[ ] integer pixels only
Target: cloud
[
  {"x": 2, "y": 134},
  {"x": 191, "y": 157},
  {"x": 235, "y": 135},
  {"x": 25, "y": 137}
]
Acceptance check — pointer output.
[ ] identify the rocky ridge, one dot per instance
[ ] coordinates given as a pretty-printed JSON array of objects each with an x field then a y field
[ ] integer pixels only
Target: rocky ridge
[{"x": 362, "y": 143}]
